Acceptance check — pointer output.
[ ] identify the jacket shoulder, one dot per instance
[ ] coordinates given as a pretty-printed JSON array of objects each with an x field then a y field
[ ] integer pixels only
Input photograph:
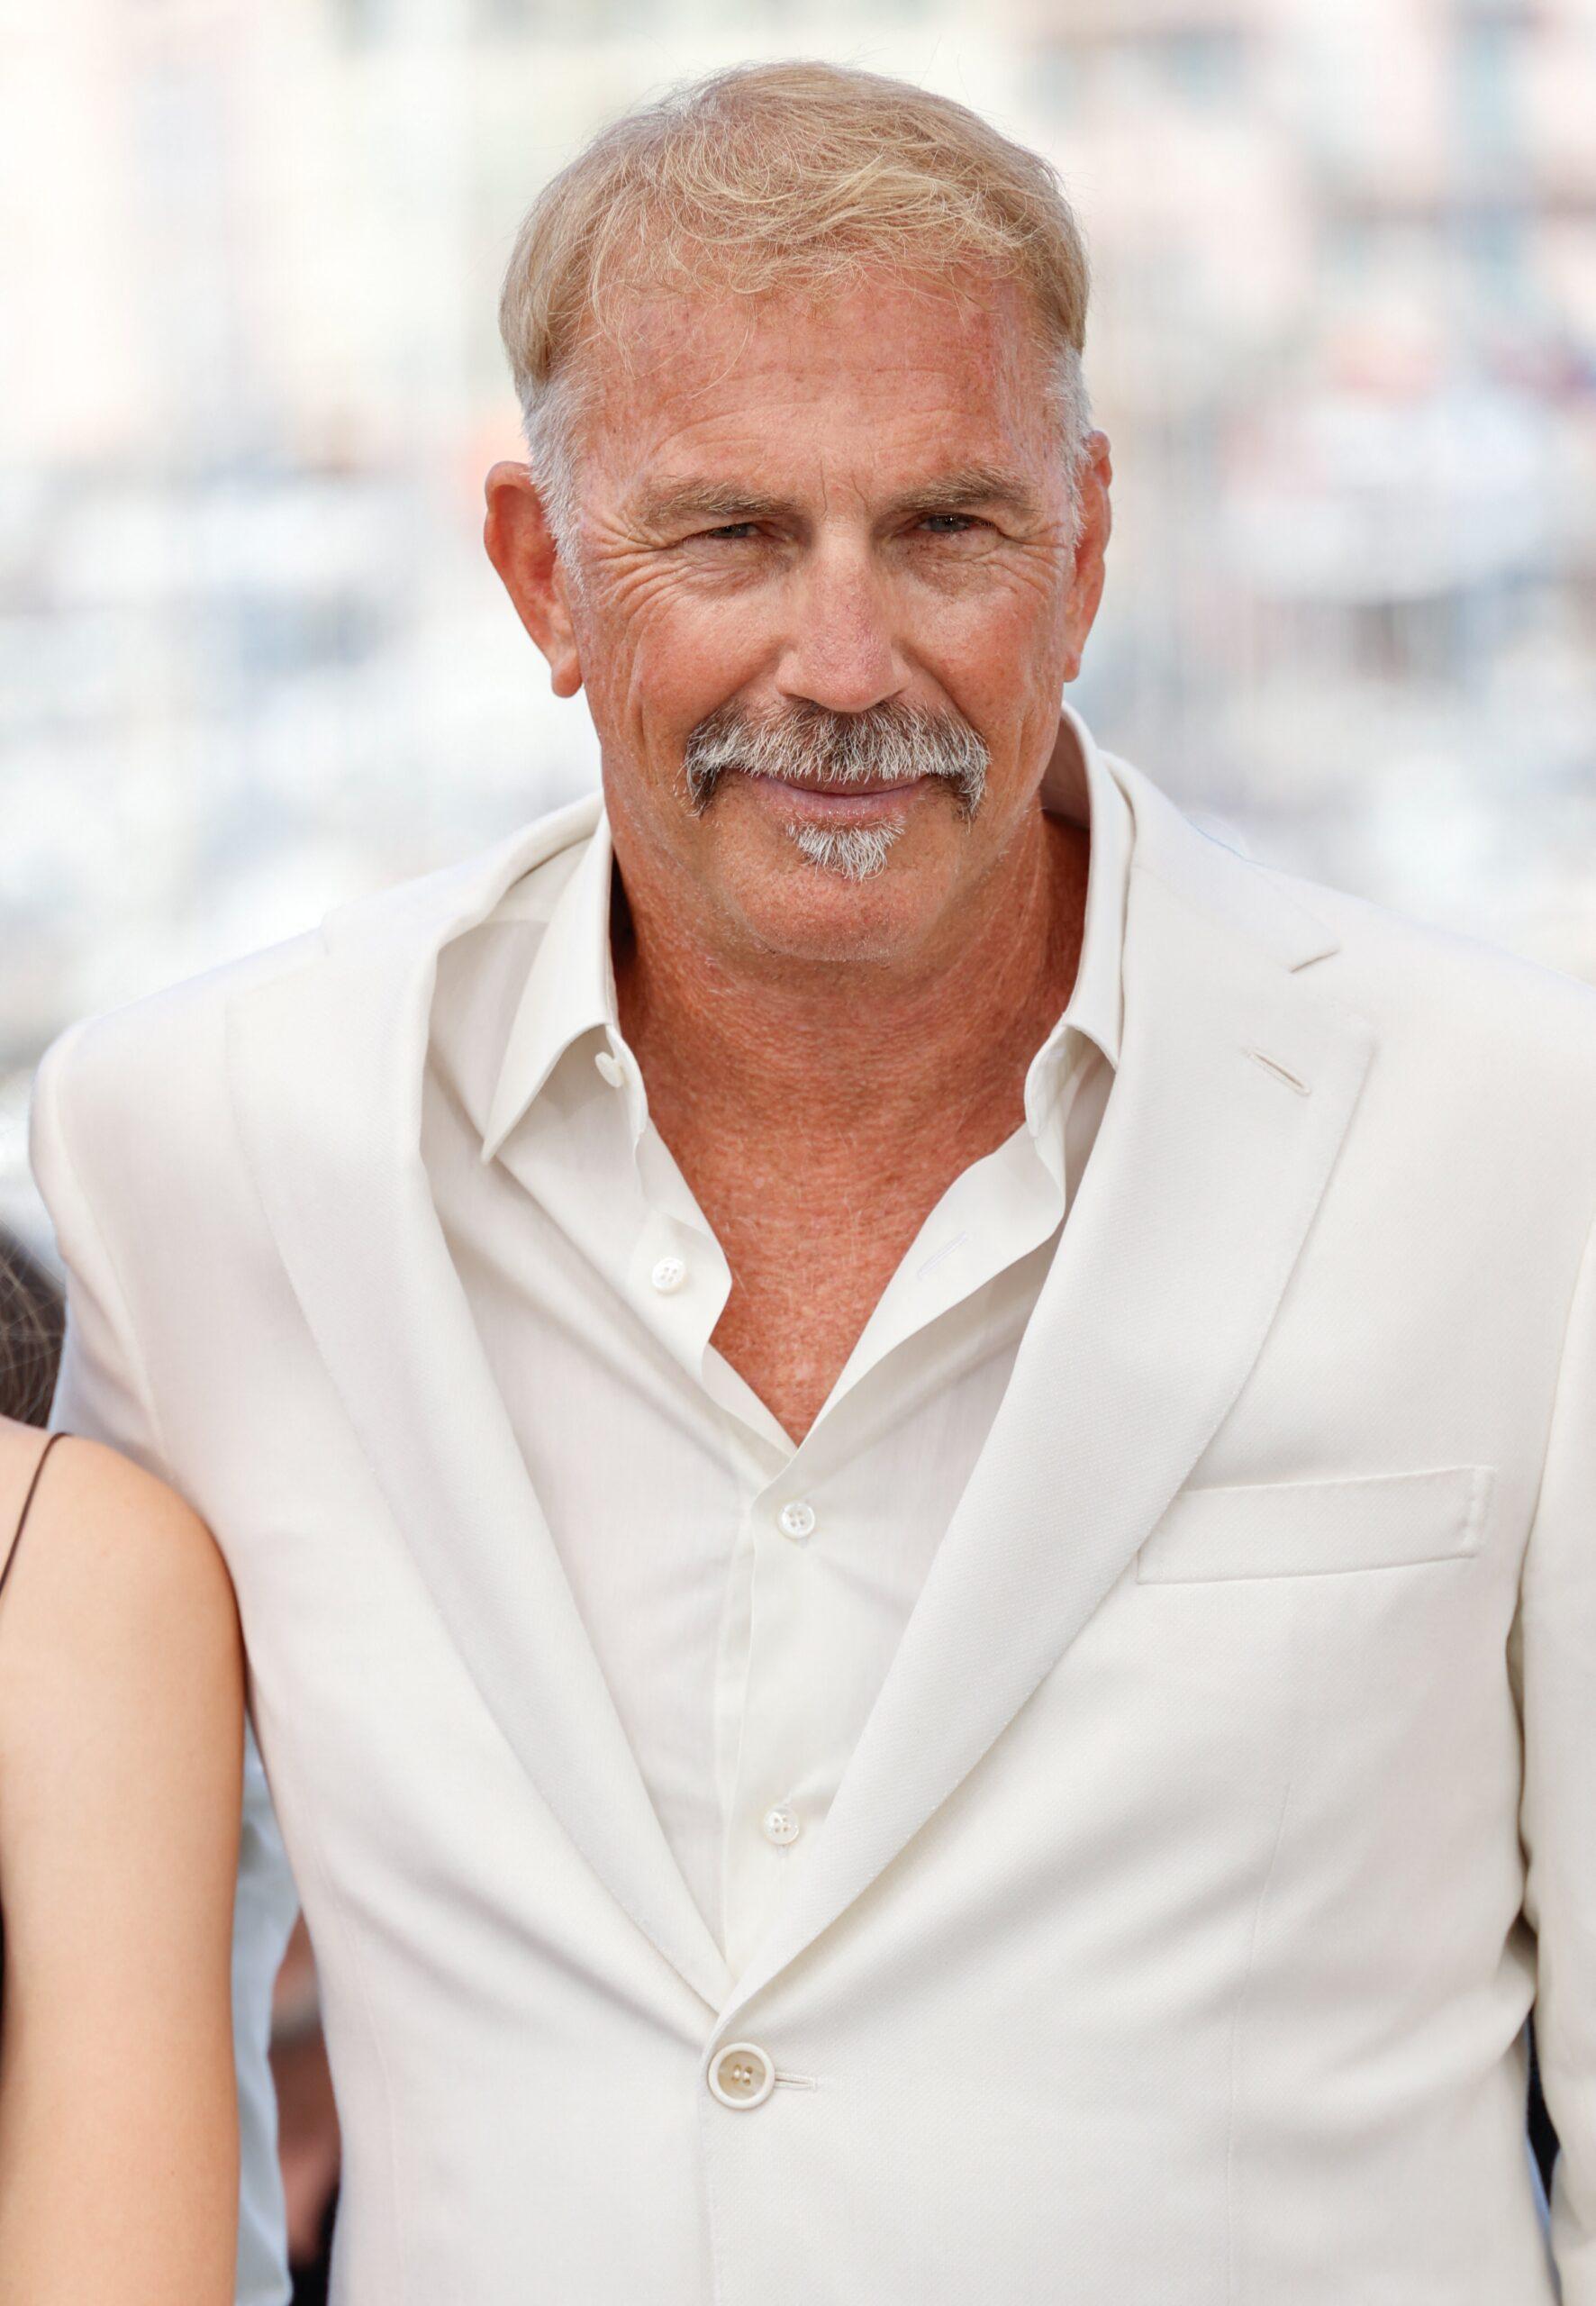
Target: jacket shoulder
[
  {"x": 153, "y": 1053},
  {"x": 155, "y": 1067},
  {"x": 1454, "y": 994}
]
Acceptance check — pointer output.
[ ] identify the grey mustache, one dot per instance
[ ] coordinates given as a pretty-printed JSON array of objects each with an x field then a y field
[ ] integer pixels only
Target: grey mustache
[{"x": 808, "y": 744}]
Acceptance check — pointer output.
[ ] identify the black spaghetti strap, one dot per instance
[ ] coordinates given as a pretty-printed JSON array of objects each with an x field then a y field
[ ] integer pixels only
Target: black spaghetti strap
[{"x": 27, "y": 1502}]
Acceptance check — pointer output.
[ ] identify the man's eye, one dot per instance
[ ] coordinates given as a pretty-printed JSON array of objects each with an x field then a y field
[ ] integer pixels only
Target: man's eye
[
  {"x": 733, "y": 531},
  {"x": 950, "y": 524}
]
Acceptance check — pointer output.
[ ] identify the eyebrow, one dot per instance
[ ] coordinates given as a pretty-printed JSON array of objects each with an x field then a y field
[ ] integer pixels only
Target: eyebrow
[
  {"x": 961, "y": 490},
  {"x": 969, "y": 486},
  {"x": 708, "y": 500}
]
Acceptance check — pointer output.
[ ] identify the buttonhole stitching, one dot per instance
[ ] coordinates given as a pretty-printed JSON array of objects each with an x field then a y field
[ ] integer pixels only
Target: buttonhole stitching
[
  {"x": 1282, "y": 1073},
  {"x": 945, "y": 1250}
]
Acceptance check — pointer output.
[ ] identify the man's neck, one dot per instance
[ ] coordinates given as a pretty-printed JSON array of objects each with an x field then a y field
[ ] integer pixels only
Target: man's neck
[
  {"x": 814, "y": 1054},
  {"x": 819, "y": 1116}
]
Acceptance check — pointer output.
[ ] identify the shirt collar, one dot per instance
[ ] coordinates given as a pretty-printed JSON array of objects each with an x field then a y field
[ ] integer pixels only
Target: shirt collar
[
  {"x": 569, "y": 991},
  {"x": 570, "y": 986},
  {"x": 1097, "y": 1002}
]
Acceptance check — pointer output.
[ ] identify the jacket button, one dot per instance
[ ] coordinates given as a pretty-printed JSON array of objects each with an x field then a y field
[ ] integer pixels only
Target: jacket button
[{"x": 741, "y": 2075}]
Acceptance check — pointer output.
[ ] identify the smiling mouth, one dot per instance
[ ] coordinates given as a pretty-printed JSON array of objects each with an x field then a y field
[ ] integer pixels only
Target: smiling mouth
[{"x": 842, "y": 794}]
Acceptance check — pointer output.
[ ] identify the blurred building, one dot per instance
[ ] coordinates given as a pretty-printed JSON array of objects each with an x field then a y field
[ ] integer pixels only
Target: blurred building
[
  {"x": 1347, "y": 339},
  {"x": 252, "y": 659}
]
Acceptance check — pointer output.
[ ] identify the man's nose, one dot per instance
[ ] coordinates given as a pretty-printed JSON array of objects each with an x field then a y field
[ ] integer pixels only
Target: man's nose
[{"x": 841, "y": 651}]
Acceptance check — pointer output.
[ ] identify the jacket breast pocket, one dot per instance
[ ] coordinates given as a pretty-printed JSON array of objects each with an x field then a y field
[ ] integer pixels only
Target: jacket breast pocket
[{"x": 1308, "y": 1529}]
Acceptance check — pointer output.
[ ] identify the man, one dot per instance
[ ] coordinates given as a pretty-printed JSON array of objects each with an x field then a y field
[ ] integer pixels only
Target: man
[{"x": 908, "y": 1456}]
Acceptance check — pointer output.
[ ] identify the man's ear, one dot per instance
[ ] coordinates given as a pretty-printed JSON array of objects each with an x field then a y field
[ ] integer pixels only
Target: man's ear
[
  {"x": 520, "y": 545},
  {"x": 1093, "y": 478}
]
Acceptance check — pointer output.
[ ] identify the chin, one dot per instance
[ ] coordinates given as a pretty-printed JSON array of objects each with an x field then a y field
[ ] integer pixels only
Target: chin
[{"x": 807, "y": 911}]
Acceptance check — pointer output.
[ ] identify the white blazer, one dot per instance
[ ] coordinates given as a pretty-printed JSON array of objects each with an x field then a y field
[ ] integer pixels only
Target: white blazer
[{"x": 1229, "y": 1802}]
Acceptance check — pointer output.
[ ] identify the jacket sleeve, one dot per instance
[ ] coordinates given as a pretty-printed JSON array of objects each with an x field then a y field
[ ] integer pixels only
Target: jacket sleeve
[
  {"x": 102, "y": 1392},
  {"x": 1552, "y": 1651}
]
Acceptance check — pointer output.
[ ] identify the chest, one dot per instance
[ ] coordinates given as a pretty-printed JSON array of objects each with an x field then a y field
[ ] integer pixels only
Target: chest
[
  {"x": 804, "y": 1282},
  {"x": 805, "y": 1273},
  {"x": 814, "y": 1240}
]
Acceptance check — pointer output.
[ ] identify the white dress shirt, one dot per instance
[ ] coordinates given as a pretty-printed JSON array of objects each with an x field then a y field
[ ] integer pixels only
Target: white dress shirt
[{"x": 744, "y": 1595}]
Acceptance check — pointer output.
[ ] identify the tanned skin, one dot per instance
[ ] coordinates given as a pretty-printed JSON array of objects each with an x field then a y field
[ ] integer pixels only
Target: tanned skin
[
  {"x": 121, "y": 1714},
  {"x": 844, "y": 498}
]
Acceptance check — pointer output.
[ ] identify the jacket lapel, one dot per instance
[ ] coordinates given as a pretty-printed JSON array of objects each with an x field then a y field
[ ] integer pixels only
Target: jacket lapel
[
  {"x": 326, "y": 1066},
  {"x": 1237, "y": 1080}
]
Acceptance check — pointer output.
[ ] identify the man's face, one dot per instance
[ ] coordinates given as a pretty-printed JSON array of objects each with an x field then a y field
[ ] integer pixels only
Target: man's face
[{"x": 827, "y": 598}]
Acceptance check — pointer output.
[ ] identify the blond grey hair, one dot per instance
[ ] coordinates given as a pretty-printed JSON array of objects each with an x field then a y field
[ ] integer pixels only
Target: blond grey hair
[{"x": 767, "y": 175}]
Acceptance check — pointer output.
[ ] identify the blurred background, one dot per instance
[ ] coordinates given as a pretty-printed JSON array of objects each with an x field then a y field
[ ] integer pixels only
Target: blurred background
[{"x": 253, "y": 660}]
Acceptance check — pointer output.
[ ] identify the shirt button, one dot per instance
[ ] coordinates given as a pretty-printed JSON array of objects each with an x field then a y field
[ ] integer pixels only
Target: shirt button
[
  {"x": 668, "y": 1276},
  {"x": 742, "y": 2075},
  {"x": 608, "y": 1068},
  {"x": 796, "y": 1517},
  {"x": 781, "y": 1825}
]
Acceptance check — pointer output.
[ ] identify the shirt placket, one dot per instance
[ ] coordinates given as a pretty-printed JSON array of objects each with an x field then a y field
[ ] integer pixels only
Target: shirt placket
[
  {"x": 801, "y": 1665},
  {"x": 775, "y": 1789}
]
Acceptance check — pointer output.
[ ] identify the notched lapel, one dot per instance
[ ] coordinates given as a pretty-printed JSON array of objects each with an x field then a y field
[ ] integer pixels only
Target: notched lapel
[
  {"x": 1237, "y": 1080},
  {"x": 326, "y": 1067},
  {"x": 1209, "y": 1168}
]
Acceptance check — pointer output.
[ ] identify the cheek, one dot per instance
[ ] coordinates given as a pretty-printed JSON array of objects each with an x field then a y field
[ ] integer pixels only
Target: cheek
[
  {"x": 998, "y": 646},
  {"x": 664, "y": 657},
  {"x": 1016, "y": 598}
]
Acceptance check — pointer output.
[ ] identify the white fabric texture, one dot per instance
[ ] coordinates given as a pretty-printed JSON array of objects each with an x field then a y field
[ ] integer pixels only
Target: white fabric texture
[
  {"x": 1171, "y": 1925},
  {"x": 742, "y": 1659}
]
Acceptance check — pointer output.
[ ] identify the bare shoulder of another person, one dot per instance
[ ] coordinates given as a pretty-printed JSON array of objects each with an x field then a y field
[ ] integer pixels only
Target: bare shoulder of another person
[
  {"x": 121, "y": 1783},
  {"x": 109, "y": 1553},
  {"x": 119, "y": 1645}
]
